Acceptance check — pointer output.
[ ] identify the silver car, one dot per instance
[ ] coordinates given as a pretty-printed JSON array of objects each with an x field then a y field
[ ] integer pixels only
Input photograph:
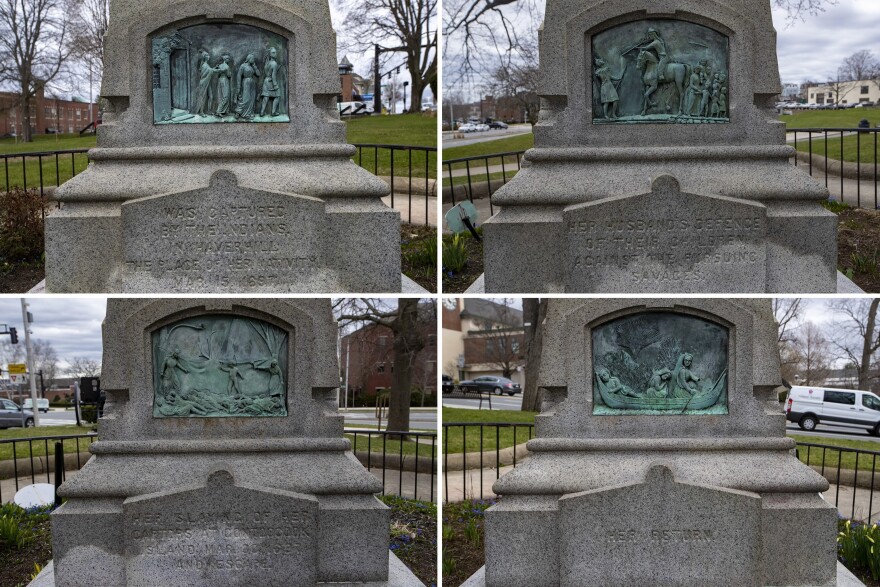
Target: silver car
[{"x": 13, "y": 416}]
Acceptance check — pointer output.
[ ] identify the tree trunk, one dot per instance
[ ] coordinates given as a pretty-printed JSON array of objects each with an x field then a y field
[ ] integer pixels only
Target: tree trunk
[
  {"x": 417, "y": 84},
  {"x": 25, "y": 115},
  {"x": 408, "y": 342},
  {"x": 534, "y": 313},
  {"x": 868, "y": 346}
]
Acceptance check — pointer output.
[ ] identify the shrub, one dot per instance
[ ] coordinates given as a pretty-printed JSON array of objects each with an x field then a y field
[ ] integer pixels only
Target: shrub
[
  {"x": 858, "y": 546},
  {"x": 455, "y": 253},
  {"x": 422, "y": 255},
  {"x": 89, "y": 414},
  {"x": 21, "y": 226}
]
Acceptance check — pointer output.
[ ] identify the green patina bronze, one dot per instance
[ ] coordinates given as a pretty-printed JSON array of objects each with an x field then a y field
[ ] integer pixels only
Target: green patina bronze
[
  {"x": 218, "y": 366},
  {"x": 660, "y": 363},
  {"x": 660, "y": 71},
  {"x": 215, "y": 73}
]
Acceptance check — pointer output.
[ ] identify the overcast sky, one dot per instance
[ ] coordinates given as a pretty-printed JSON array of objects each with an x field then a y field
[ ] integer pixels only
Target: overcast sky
[
  {"x": 815, "y": 47},
  {"x": 71, "y": 324}
]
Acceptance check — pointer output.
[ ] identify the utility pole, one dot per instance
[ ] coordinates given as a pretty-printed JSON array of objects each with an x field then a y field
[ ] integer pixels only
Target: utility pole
[
  {"x": 377, "y": 89},
  {"x": 27, "y": 318},
  {"x": 347, "y": 355}
]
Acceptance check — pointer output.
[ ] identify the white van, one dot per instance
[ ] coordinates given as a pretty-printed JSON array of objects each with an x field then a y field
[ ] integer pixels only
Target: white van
[
  {"x": 811, "y": 406},
  {"x": 354, "y": 108},
  {"x": 42, "y": 404}
]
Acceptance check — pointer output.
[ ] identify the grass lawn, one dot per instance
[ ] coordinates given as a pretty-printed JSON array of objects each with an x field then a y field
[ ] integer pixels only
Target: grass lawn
[
  {"x": 848, "y": 118},
  {"x": 456, "y": 437},
  {"x": 862, "y": 146},
  {"x": 521, "y": 142},
  {"x": 847, "y": 460},
  {"x": 406, "y": 129},
  {"x": 22, "y": 450}
]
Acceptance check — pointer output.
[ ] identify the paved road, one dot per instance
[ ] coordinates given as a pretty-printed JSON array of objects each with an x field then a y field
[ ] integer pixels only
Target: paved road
[
  {"x": 503, "y": 402},
  {"x": 484, "y": 137},
  {"x": 426, "y": 419},
  {"x": 828, "y": 431}
]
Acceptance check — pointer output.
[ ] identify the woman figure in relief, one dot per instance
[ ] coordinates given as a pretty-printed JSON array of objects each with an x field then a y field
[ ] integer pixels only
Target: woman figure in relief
[
  {"x": 248, "y": 76},
  {"x": 205, "y": 93},
  {"x": 224, "y": 87}
]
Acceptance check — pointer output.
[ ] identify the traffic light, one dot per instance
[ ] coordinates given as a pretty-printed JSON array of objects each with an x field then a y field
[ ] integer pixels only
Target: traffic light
[{"x": 13, "y": 336}]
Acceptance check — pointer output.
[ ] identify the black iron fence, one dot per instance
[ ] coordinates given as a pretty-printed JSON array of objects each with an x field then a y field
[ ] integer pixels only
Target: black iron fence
[
  {"x": 475, "y": 454},
  {"x": 473, "y": 457},
  {"x": 410, "y": 171},
  {"x": 844, "y": 159},
  {"x": 407, "y": 462}
]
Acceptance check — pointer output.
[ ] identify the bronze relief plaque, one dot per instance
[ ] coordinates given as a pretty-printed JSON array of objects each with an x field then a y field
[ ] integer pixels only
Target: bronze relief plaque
[
  {"x": 216, "y": 366},
  {"x": 215, "y": 73},
  {"x": 660, "y": 71},
  {"x": 660, "y": 363}
]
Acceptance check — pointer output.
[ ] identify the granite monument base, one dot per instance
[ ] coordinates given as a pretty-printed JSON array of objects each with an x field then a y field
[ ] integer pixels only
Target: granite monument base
[
  {"x": 676, "y": 220},
  {"x": 294, "y": 219},
  {"x": 398, "y": 576},
  {"x": 845, "y": 578}
]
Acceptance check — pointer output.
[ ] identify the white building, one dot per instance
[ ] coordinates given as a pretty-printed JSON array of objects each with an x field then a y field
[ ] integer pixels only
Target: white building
[
  {"x": 844, "y": 93},
  {"x": 791, "y": 92}
]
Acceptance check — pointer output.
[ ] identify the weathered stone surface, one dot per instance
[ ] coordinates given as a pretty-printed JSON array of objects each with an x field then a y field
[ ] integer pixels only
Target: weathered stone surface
[
  {"x": 666, "y": 241},
  {"x": 661, "y": 532},
  {"x": 221, "y": 534}
]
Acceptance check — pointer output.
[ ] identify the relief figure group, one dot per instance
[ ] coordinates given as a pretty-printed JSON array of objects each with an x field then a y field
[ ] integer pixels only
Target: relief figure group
[{"x": 222, "y": 92}]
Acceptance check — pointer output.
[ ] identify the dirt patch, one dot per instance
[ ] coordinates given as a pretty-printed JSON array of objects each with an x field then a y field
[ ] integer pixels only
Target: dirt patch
[
  {"x": 17, "y": 564},
  {"x": 21, "y": 278},
  {"x": 463, "y": 525},
  {"x": 858, "y": 247},
  {"x": 459, "y": 281},
  {"x": 414, "y": 536}
]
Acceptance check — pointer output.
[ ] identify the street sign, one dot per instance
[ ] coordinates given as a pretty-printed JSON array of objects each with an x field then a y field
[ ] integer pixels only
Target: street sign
[
  {"x": 17, "y": 378},
  {"x": 17, "y": 369}
]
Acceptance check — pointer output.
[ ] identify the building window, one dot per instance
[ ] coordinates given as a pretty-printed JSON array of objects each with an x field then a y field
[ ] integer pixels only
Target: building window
[
  {"x": 866, "y": 89},
  {"x": 514, "y": 346},
  {"x": 380, "y": 367}
]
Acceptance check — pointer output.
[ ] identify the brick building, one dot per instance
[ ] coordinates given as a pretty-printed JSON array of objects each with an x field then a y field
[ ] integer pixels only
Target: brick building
[
  {"x": 482, "y": 337},
  {"x": 369, "y": 353},
  {"x": 48, "y": 115}
]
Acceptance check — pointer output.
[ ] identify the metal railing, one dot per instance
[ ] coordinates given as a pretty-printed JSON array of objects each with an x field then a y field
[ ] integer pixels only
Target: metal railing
[
  {"x": 848, "y": 169},
  {"x": 846, "y": 160},
  {"x": 402, "y": 474},
  {"x": 852, "y": 473},
  {"x": 479, "y": 177},
  {"x": 519, "y": 433},
  {"x": 411, "y": 170}
]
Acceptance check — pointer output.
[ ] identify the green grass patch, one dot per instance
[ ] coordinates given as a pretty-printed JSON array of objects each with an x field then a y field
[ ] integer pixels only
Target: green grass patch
[
  {"x": 498, "y": 179},
  {"x": 521, "y": 142},
  {"x": 40, "y": 448},
  {"x": 848, "y": 118},
  {"x": 460, "y": 439},
  {"x": 831, "y": 457},
  {"x": 859, "y": 147},
  {"x": 43, "y": 143},
  {"x": 377, "y": 444},
  {"x": 405, "y": 129}
]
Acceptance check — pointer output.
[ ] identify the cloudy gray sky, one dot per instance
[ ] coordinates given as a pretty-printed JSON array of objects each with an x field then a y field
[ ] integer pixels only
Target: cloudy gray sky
[
  {"x": 813, "y": 48},
  {"x": 71, "y": 324}
]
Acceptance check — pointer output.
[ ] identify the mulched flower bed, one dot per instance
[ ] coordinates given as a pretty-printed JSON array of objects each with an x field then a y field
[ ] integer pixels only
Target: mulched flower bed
[
  {"x": 458, "y": 282},
  {"x": 463, "y": 540}
]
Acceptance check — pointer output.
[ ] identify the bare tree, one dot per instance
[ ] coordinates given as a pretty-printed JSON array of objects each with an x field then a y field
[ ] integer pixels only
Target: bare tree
[
  {"x": 788, "y": 312},
  {"x": 83, "y": 367},
  {"x": 838, "y": 86},
  {"x": 857, "y": 336},
  {"x": 89, "y": 22},
  {"x": 518, "y": 81},
  {"x": 534, "y": 315},
  {"x": 812, "y": 348},
  {"x": 407, "y": 323},
  {"x": 861, "y": 65},
  {"x": 34, "y": 48},
  {"x": 502, "y": 335},
  {"x": 406, "y": 22},
  {"x": 11, "y": 353}
]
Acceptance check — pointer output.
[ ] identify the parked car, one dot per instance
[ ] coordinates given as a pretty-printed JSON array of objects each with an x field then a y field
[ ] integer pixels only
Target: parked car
[
  {"x": 482, "y": 127},
  {"x": 497, "y": 124},
  {"x": 14, "y": 416},
  {"x": 42, "y": 404},
  {"x": 448, "y": 384},
  {"x": 488, "y": 383},
  {"x": 467, "y": 127},
  {"x": 810, "y": 406}
]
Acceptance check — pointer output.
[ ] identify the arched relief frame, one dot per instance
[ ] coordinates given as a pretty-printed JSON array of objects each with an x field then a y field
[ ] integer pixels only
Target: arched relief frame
[
  {"x": 577, "y": 86},
  {"x": 660, "y": 363},
  {"x": 219, "y": 366},
  {"x": 569, "y": 378}
]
